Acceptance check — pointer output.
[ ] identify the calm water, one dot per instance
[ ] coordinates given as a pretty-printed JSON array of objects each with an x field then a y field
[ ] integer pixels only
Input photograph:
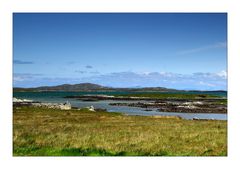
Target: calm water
[{"x": 57, "y": 97}]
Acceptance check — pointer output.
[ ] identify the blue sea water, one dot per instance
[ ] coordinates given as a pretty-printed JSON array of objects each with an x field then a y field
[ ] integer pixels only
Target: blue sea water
[{"x": 58, "y": 97}]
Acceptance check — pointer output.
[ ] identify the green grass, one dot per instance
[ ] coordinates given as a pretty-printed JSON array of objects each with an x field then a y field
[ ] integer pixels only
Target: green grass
[
  {"x": 170, "y": 95},
  {"x": 222, "y": 102},
  {"x": 50, "y": 132}
]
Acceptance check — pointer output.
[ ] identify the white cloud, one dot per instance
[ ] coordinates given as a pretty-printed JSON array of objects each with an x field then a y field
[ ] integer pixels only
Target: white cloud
[
  {"x": 208, "y": 81},
  {"x": 200, "y": 80},
  {"x": 17, "y": 79},
  {"x": 206, "y": 84},
  {"x": 204, "y": 48},
  {"x": 223, "y": 74},
  {"x": 220, "y": 45}
]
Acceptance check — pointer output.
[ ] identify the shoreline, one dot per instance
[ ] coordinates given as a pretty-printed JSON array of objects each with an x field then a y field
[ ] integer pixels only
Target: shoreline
[
  {"x": 178, "y": 105},
  {"x": 148, "y": 108}
]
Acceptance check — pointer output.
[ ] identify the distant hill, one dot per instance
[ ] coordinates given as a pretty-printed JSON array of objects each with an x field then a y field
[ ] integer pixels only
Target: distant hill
[
  {"x": 75, "y": 87},
  {"x": 89, "y": 87}
]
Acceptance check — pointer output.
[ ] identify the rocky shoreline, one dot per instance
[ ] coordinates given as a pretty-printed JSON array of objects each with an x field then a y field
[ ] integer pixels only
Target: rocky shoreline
[
  {"x": 25, "y": 102},
  {"x": 61, "y": 106},
  {"x": 161, "y": 105},
  {"x": 180, "y": 106}
]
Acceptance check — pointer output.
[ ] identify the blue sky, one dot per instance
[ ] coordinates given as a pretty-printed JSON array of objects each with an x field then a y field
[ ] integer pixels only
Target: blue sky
[{"x": 183, "y": 51}]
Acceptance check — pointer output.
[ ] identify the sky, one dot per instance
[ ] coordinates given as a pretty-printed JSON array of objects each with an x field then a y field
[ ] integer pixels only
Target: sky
[{"x": 173, "y": 50}]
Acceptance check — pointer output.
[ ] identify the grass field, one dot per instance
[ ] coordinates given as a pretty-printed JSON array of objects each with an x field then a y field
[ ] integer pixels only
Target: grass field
[{"x": 51, "y": 132}]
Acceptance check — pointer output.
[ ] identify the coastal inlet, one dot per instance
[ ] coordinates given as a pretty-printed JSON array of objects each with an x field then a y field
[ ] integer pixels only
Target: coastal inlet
[{"x": 187, "y": 106}]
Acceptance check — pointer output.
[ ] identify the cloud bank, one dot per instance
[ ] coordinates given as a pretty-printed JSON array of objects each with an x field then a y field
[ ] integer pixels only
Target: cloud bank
[{"x": 195, "y": 81}]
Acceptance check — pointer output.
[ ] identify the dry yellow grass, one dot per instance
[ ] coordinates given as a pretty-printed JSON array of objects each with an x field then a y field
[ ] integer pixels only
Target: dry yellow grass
[{"x": 39, "y": 131}]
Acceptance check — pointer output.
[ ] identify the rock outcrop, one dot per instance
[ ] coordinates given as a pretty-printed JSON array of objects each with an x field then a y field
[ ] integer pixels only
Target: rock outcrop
[
  {"x": 25, "y": 102},
  {"x": 62, "y": 106}
]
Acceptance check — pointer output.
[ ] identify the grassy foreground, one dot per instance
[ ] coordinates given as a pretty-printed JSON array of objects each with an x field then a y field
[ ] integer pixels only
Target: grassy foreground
[{"x": 50, "y": 132}]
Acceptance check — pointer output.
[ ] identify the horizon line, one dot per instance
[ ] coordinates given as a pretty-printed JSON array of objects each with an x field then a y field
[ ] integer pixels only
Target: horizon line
[{"x": 130, "y": 87}]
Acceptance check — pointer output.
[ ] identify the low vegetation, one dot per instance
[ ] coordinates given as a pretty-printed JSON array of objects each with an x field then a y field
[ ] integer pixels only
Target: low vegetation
[{"x": 52, "y": 132}]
